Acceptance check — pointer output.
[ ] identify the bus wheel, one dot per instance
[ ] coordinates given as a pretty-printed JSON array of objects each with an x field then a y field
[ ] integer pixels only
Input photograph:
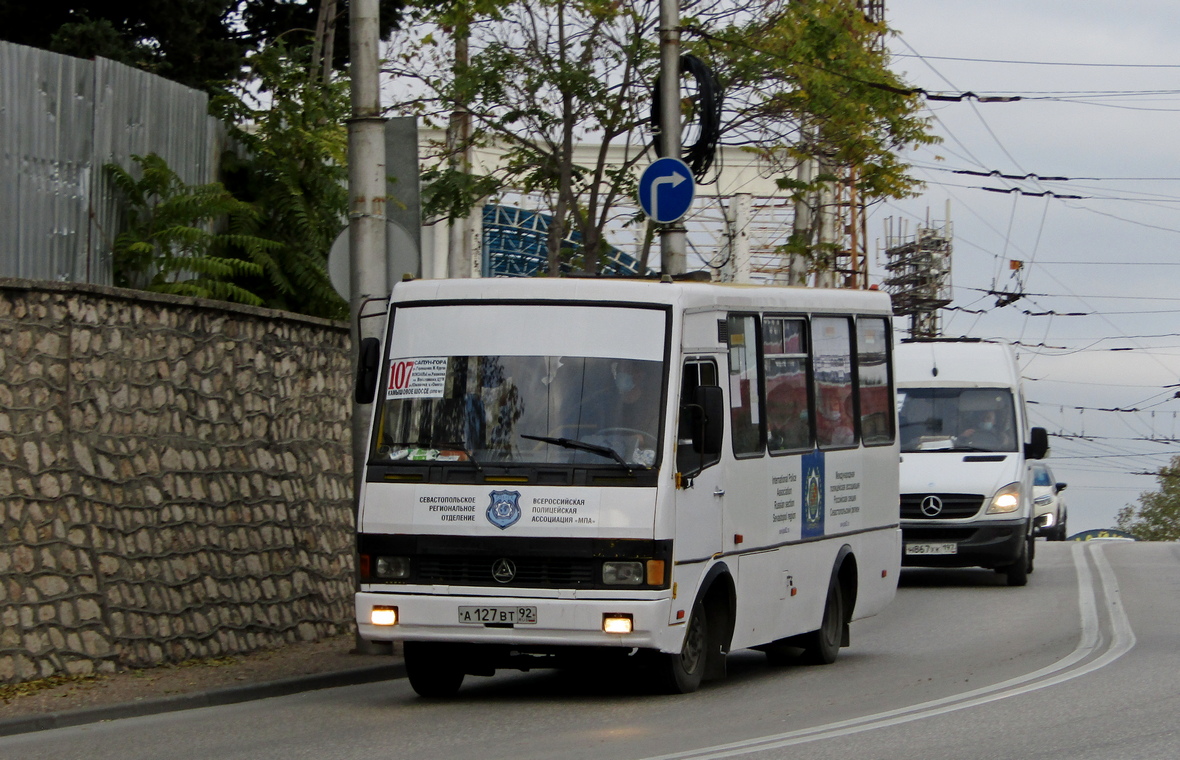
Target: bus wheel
[
  {"x": 822, "y": 646},
  {"x": 682, "y": 672},
  {"x": 433, "y": 670}
]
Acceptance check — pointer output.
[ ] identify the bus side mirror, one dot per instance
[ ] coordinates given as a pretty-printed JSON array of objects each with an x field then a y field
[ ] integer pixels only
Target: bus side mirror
[
  {"x": 1038, "y": 447},
  {"x": 367, "y": 370},
  {"x": 712, "y": 428},
  {"x": 702, "y": 425}
]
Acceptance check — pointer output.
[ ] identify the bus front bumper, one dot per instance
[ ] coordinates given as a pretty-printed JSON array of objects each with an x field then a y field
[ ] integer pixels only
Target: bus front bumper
[{"x": 510, "y": 620}]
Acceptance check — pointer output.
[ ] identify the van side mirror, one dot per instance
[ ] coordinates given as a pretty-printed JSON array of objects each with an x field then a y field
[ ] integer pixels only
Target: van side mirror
[
  {"x": 1038, "y": 446},
  {"x": 367, "y": 370},
  {"x": 1061, "y": 487}
]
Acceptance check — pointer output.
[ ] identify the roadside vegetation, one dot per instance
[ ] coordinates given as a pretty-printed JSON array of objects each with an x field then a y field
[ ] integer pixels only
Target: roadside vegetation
[{"x": 1157, "y": 517}]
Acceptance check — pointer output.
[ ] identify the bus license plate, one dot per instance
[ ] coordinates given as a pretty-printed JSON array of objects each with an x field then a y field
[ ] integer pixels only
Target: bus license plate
[
  {"x": 924, "y": 549},
  {"x": 498, "y": 615}
]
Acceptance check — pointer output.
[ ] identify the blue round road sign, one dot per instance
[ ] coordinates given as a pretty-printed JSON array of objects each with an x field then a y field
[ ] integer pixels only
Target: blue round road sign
[{"x": 666, "y": 190}]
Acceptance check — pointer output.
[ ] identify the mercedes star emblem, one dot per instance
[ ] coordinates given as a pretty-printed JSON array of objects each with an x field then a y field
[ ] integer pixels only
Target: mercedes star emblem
[{"x": 931, "y": 506}]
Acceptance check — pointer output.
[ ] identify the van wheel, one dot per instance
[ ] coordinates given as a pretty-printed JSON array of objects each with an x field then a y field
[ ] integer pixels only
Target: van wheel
[
  {"x": 682, "y": 672},
  {"x": 822, "y": 646},
  {"x": 1018, "y": 571},
  {"x": 433, "y": 670}
]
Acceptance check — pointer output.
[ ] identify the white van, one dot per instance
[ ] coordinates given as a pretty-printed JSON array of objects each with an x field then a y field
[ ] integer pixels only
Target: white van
[
  {"x": 563, "y": 470},
  {"x": 966, "y": 489}
]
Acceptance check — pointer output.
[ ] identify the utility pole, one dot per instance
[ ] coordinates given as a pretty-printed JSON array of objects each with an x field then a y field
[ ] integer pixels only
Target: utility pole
[
  {"x": 366, "y": 200},
  {"x": 673, "y": 241},
  {"x": 366, "y": 218}
]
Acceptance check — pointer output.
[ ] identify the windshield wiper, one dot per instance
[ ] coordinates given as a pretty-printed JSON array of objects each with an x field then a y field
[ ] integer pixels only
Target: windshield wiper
[
  {"x": 573, "y": 443},
  {"x": 462, "y": 447}
]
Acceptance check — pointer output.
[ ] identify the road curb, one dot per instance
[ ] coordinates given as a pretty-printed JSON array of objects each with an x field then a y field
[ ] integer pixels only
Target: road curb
[{"x": 223, "y": 696}]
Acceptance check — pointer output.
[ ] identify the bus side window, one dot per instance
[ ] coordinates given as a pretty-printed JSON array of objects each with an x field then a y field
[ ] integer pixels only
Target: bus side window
[
  {"x": 788, "y": 407},
  {"x": 694, "y": 452},
  {"x": 835, "y": 424},
  {"x": 874, "y": 382},
  {"x": 745, "y": 381}
]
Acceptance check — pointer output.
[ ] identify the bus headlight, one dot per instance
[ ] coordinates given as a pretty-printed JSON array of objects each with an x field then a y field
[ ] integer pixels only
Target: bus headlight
[
  {"x": 392, "y": 567},
  {"x": 622, "y": 573},
  {"x": 1006, "y": 500}
]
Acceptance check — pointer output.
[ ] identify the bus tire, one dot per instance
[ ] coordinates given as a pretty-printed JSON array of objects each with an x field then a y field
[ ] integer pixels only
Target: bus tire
[
  {"x": 432, "y": 670},
  {"x": 682, "y": 672},
  {"x": 820, "y": 647}
]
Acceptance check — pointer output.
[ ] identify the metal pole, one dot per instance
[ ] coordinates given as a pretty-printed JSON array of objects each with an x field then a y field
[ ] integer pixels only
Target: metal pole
[
  {"x": 673, "y": 244},
  {"x": 366, "y": 216}
]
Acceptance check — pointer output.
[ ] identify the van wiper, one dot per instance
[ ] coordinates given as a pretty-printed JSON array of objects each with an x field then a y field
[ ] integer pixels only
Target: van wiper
[{"x": 573, "y": 443}]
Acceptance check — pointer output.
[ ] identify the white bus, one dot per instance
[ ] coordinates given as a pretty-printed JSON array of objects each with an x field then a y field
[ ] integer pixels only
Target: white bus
[{"x": 564, "y": 469}]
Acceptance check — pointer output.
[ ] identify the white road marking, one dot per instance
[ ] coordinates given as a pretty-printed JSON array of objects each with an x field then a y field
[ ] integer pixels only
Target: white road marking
[{"x": 1090, "y": 643}]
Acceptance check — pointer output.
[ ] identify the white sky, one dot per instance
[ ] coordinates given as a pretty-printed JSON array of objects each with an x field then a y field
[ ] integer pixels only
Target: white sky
[{"x": 1111, "y": 256}]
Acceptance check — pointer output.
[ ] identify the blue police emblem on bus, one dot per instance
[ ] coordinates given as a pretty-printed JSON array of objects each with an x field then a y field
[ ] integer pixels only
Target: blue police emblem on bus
[
  {"x": 504, "y": 510},
  {"x": 813, "y": 494}
]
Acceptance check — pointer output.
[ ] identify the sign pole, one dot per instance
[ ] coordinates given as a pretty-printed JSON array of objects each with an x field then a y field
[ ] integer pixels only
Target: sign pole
[{"x": 673, "y": 242}]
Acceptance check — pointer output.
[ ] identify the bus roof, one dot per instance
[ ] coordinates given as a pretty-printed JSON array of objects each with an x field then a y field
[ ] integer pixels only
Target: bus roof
[{"x": 685, "y": 295}]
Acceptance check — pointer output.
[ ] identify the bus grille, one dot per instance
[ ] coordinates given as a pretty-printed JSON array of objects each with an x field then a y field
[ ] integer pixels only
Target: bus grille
[
  {"x": 536, "y": 572},
  {"x": 953, "y": 506}
]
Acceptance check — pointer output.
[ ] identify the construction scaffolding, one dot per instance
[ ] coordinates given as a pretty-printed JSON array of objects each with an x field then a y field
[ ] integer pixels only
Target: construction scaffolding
[{"x": 918, "y": 273}]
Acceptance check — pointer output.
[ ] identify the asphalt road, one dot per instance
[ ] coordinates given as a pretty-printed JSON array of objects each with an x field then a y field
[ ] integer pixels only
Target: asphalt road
[{"x": 1082, "y": 663}]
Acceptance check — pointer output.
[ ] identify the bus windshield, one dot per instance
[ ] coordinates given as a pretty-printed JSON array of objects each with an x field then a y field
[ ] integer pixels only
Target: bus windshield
[
  {"x": 522, "y": 384},
  {"x": 520, "y": 410},
  {"x": 956, "y": 419}
]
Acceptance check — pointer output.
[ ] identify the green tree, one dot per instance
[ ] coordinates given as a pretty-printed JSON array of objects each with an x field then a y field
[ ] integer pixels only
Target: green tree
[
  {"x": 199, "y": 43},
  {"x": 291, "y": 165},
  {"x": 172, "y": 243},
  {"x": 802, "y": 79},
  {"x": 1158, "y": 515}
]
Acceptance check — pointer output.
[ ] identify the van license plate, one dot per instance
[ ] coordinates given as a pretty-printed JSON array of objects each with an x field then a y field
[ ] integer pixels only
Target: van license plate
[
  {"x": 498, "y": 615},
  {"x": 924, "y": 549}
]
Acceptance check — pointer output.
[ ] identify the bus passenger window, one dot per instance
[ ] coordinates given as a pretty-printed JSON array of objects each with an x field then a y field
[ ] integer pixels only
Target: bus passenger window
[
  {"x": 784, "y": 359},
  {"x": 835, "y": 424},
  {"x": 745, "y": 412},
  {"x": 874, "y": 384}
]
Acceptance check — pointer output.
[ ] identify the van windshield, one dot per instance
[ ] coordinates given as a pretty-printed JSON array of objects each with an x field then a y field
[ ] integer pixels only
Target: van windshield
[
  {"x": 956, "y": 419},
  {"x": 520, "y": 410}
]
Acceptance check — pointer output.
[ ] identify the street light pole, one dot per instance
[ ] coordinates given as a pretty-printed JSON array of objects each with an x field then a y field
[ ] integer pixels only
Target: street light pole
[{"x": 673, "y": 243}]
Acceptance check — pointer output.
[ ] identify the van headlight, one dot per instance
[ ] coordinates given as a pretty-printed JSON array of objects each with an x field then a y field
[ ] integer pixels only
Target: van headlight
[{"x": 1006, "y": 500}]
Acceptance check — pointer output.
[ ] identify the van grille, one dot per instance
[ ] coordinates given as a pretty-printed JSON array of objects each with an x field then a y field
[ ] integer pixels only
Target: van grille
[{"x": 955, "y": 506}]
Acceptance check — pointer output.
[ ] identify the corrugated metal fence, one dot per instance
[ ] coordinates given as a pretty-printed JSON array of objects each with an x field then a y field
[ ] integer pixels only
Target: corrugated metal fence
[{"x": 61, "y": 120}]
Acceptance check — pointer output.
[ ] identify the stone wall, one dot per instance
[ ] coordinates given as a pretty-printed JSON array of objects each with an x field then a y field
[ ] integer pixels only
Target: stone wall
[{"x": 175, "y": 479}]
